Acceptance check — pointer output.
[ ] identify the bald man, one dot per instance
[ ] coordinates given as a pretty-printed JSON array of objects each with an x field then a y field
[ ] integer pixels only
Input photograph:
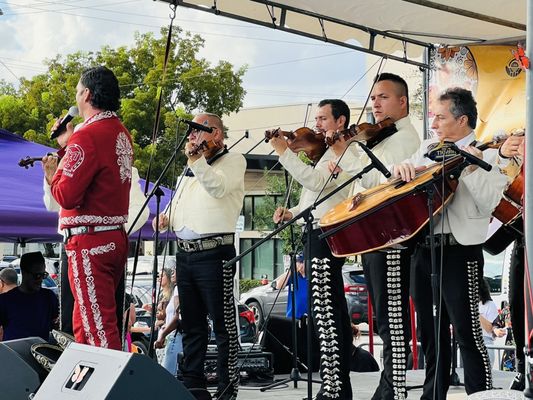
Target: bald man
[{"x": 203, "y": 214}]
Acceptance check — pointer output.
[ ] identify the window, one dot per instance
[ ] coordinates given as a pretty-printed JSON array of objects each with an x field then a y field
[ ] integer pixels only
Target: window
[
  {"x": 267, "y": 259},
  {"x": 252, "y": 205}
]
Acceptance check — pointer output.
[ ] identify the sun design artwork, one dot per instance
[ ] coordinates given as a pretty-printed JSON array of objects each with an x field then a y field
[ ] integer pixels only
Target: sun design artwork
[{"x": 452, "y": 67}]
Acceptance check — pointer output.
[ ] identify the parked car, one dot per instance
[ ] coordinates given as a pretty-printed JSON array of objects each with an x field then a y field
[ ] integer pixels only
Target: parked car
[
  {"x": 52, "y": 267},
  {"x": 9, "y": 259},
  {"x": 267, "y": 298},
  {"x": 496, "y": 271}
]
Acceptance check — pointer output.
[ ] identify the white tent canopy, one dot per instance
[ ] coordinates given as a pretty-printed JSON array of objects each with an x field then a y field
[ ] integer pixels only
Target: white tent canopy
[{"x": 399, "y": 29}]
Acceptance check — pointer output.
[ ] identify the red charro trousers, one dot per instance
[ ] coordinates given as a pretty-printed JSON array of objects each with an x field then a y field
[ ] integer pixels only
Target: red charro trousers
[{"x": 96, "y": 264}]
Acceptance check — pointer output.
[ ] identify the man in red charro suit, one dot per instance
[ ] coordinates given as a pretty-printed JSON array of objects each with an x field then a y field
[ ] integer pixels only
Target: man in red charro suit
[{"x": 92, "y": 185}]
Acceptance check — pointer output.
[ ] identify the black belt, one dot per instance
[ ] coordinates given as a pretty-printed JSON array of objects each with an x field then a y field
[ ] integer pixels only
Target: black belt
[
  {"x": 81, "y": 230},
  {"x": 446, "y": 239},
  {"x": 208, "y": 243}
]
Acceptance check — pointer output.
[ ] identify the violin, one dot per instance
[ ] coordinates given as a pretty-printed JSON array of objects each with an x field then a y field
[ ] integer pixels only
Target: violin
[
  {"x": 304, "y": 139},
  {"x": 365, "y": 131},
  {"x": 29, "y": 161},
  {"x": 205, "y": 146}
]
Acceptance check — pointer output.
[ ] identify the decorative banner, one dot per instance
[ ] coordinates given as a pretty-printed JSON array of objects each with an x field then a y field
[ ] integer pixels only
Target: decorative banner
[{"x": 495, "y": 78}]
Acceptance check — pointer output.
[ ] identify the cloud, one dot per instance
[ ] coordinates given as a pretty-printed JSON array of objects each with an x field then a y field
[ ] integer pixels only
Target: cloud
[{"x": 39, "y": 30}]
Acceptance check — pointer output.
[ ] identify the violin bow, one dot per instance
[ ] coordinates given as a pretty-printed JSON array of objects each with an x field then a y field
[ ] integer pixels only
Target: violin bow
[
  {"x": 288, "y": 183},
  {"x": 374, "y": 81}
]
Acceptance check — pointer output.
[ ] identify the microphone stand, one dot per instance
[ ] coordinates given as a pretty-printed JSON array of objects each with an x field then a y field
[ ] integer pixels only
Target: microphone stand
[
  {"x": 307, "y": 216},
  {"x": 295, "y": 375},
  {"x": 454, "y": 378},
  {"x": 158, "y": 192},
  {"x": 245, "y": 136},
  {"x": 157, "y": 183}
]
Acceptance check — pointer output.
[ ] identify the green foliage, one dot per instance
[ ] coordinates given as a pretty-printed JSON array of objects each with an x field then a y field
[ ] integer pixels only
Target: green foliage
[
  {"x": 189, "y": 84},
  {"x": 247, "y": 284},
  {"x": 275, "y": 185}
]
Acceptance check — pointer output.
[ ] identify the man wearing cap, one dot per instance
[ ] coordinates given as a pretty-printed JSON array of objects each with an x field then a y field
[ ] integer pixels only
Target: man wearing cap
[
  {"x": 300, "y": 288},
  {"x": 29, "y": 310},
  {"x": 8, "y": 280},
  {"x": 92, "y": 184}
]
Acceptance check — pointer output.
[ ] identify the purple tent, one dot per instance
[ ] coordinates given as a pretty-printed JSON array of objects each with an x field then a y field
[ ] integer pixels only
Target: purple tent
[{"x": 23, "y": 217}]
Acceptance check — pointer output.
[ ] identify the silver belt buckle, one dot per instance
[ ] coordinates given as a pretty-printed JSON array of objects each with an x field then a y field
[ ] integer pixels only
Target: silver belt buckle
[{"x": 187, "y": 246}]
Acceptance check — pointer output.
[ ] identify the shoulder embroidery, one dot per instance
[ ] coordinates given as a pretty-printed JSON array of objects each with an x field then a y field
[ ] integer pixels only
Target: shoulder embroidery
[
  {"x": 74, "y": 158},
  {"x": 125, "y": 156}
]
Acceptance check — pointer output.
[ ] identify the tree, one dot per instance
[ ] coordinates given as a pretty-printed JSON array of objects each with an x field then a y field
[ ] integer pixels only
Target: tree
[
  {"x": 190, "y": 84},
  {"x": 275, "y": 186}
]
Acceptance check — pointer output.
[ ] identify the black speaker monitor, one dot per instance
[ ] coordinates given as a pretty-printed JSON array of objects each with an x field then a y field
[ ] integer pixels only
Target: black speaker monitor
[
  {"x": 20, "y": 374},
  {"x": 89, "y": 373},
  {"x": 278, "y": 341}
]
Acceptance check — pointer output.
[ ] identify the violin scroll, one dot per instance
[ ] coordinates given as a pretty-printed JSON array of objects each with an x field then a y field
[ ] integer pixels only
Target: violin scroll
[
  {"x": 30, "y": 161},
  {"x": 277, "y": 133}
]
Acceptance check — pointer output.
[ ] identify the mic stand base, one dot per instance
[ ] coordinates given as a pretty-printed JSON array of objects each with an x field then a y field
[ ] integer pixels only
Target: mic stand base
[
  {"x": 295, "y": 377},
  {"x": 454, "y": 378}
]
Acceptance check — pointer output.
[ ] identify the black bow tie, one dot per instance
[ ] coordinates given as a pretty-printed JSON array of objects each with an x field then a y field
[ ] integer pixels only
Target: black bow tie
[{"x": 188, "y": 172}]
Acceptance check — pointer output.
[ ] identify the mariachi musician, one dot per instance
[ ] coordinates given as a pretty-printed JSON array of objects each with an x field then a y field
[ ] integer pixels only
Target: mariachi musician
[
  {"x": 203, "y": 213},
  {"x": 91, "y": 185},
  {"x": 460, "y": 231},
  {"x": 330, "y": 312},
  {"x": 511, "y": 155},
  {"x": 387, "y": 271}
]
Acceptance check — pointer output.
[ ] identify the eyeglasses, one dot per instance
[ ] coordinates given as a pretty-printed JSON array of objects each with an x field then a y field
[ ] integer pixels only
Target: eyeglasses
[
  {"x": 40, "y": 275},
  {"x": 199, "y": 131}
]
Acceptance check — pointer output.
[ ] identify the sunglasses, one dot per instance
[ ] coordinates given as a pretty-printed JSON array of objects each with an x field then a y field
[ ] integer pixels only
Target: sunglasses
[{"x": 40, "y": 275}]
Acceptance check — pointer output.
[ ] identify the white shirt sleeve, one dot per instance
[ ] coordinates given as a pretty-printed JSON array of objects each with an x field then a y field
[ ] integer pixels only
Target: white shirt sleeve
[
  {"x": 49, "y": 202},
  {"x": 137, "y": 199}
]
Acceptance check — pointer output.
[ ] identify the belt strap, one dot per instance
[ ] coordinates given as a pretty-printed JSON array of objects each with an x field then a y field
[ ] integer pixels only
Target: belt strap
[
  {"x": 207, "y": 243},
  {"x": 80, "y": 230},
  {"x": 446, "y": 239}
]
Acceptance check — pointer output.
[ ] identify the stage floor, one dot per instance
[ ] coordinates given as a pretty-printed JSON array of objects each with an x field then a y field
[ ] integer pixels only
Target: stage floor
[{"x": 363, "y": 386}]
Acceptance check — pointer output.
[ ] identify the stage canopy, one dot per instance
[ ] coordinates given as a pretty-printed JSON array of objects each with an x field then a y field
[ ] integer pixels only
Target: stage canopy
[{"x": 397, "y": 29}]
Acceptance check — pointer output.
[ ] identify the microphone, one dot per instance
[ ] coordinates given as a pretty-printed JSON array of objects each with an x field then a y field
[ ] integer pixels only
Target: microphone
[
  {"x": 446, "y": 150},
  {"x": 197, "y": 126},
  {"x": 473, "y": 159},
  {"x": 72, "y": 112},
  {"x": 375, "y": 161}
]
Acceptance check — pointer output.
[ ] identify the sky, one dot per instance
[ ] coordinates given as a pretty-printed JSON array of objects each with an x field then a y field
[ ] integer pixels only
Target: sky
[{"x": 282, "y": 68}]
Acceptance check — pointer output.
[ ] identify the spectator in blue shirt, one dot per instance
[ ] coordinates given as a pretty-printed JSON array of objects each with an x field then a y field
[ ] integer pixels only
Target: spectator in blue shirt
[
  {"x": 29, "y": 310},
  {"x": 300, "y": 288}
]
